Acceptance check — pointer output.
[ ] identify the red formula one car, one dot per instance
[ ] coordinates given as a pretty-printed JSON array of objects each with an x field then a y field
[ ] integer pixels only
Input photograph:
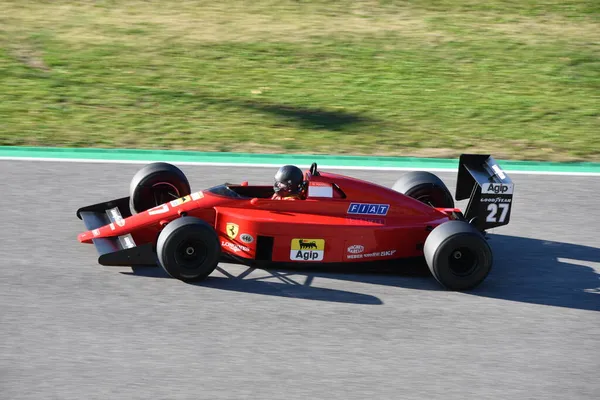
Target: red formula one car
[{"x": 339, "y": 220}]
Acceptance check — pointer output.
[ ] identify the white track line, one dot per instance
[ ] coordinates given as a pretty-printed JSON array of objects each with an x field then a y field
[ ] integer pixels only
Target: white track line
[{"x": 260, "y": 165}]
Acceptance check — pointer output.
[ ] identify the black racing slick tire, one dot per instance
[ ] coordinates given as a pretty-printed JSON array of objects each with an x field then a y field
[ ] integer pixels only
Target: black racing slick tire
[
  {"x": 188, "y": 249},
  {"x": 458, "y": 255},
  {"x": 156, "y": 184},
  {"x": 425, "y": 187}
]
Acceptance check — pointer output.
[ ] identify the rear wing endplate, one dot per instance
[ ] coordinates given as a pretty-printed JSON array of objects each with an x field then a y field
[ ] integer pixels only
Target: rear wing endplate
[{"x": 488, "y": 188}]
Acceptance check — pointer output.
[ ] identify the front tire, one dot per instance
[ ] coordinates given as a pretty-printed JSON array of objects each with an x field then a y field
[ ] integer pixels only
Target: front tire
[
  {"x": 458, "y": 255},
  {"x": 425, "y": 187},
  {"x": 188, "y": 249},
  {"x": 156, "y": 184}
]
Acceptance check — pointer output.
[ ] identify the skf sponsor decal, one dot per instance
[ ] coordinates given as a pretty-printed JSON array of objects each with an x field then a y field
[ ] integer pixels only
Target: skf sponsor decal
[
  {"x": 368, "y": 209},
  {"x": 496, "y": 188},
  {"x": 232, "y": 230},
  {"x": 246, "y": 238},
  {"x": 356, "y": 249},
  {"x": 307, "y": 249},
  {"x": 375, "y": 254},
  {"x": 236, "y": 248},
  {"x": 159, "y": 209}
]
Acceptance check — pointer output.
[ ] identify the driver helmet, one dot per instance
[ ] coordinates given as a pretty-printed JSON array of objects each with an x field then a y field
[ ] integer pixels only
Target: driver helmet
[{"x": 288, "y": 180}]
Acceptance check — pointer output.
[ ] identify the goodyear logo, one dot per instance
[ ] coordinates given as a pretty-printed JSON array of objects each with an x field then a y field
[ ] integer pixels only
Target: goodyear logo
[
  {"x": 307, "y": 249},
  {"x": 368, "y": 209}
]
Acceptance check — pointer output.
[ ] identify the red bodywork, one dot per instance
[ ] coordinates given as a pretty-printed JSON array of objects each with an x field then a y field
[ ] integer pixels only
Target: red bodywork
[{"x": 317, "y": 229}]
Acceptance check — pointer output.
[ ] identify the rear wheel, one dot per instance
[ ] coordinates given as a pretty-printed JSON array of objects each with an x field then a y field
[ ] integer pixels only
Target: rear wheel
[
  {"x": 155, "y": 184},
  {"x": 425, "y": 187},
  {"x": 458, "y": 255},
  {"x": 188, "y": 249}
]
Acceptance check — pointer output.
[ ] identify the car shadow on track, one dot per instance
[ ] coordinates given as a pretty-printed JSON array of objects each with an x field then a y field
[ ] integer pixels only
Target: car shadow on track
[
  {"x": 525, "y": 270},
  {"x": 270, "y": 283},
  {"x": 543, "y": 272}
]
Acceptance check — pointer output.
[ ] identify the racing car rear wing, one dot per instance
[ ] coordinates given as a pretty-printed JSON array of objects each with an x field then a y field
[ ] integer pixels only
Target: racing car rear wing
[{"x": 488, "y": 188}]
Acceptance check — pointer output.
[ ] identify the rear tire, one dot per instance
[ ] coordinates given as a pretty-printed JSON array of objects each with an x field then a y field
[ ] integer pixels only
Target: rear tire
[
  {"x": 425, "y": 187},
  {"x": 458, "y": 255},
  {"x": 188, "y": 249},
  {"x": 156, "y": 184}
]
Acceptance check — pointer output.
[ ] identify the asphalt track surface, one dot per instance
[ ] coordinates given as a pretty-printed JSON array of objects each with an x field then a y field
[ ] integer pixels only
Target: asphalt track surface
[{"x": 71, "y": 329}]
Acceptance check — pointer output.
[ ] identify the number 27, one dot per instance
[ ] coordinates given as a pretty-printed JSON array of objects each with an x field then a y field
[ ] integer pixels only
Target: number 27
[{"x": 493, "y": 209}]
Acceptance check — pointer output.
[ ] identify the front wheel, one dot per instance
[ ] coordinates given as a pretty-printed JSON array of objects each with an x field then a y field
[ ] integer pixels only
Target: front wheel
[
  {"x": 188, "y": 249},
  {"x": 156, "y": 184},
  {"x": 458, "y": 255}
]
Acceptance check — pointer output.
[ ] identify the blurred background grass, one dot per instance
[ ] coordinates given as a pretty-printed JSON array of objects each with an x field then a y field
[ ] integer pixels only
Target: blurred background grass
[{"x": 520, "y": 79}]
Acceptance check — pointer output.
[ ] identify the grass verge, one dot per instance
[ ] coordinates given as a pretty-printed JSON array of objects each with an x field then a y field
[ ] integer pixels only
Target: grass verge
[{"x": 416, "y": 78}]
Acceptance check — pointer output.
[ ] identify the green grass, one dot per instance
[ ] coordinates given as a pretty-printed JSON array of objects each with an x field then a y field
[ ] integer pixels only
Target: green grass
[{"x": 520, "y": 79}]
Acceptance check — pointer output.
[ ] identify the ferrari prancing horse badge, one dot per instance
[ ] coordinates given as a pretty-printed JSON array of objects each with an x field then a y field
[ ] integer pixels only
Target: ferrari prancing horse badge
[{"x": 232, "y": 230}]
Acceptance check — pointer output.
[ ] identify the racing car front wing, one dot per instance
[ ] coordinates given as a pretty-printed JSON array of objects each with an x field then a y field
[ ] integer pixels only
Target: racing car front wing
[{"x": 118, "y": 250}]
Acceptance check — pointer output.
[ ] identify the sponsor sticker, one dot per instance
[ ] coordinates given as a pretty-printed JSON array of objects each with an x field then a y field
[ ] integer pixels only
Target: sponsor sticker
[
  {"x": 159, "y": 209},
  {"x": 307, "y": 249},
  {"x": 320, "y": 189},
  {"x": 246, "y": 238},
  {"x": 232, "y": 230},
  {"x": 356, "y": 249},
  {"x": 197, "y": 195},
  {"x": 127, "y": 241},
  {"x": 496, "y": 188},
  {"x": 96, "y": 232},
  {"x": 180, "y": 201},
  {"x": 236, "y": 248},
  {"x": 498, "y": 171},
  {"x": 386, "y": 253},
  {"x": 496, "y": 200},
  {"x": 368, "y": 209},
  {"x": 366, "y": 220},
  {"x": 115, "y": 216}
]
